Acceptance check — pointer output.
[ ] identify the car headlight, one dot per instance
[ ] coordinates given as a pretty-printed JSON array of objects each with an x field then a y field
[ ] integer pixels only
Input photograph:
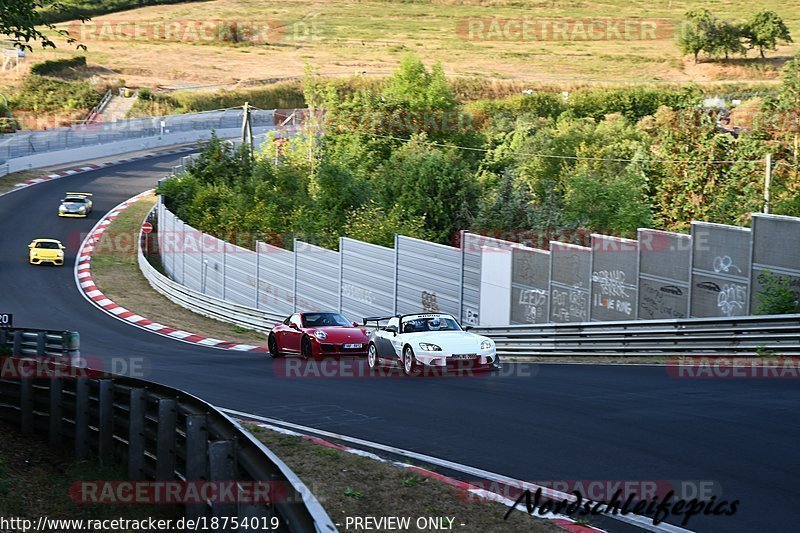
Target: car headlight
[
  {"x": 321, "y": 335},
  {"x": 59, "y": 254},
  {"x": 429, "y": 347},
  {"x": 487, "y": 345},
  {"x": 81, "y": 210},
  {"x": 62, "y": 209}
]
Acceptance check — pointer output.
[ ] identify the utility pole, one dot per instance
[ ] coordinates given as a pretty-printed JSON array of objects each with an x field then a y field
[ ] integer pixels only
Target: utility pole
[
  {"x": 767, "y": 182},
  {"x": 247, "y": 129}
]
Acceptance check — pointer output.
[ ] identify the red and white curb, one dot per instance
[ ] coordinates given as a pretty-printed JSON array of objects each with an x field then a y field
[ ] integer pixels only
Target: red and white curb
[
  {"x": 93, "y": 166},
  {"x": 88, "y": 288},
  {"x": 563, "y": 522}
]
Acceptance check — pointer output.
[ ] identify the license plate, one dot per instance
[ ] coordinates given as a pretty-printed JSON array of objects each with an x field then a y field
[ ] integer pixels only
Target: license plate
[
  {"x": 353, "y": 346},
  {"x": 464, "y": 356}
]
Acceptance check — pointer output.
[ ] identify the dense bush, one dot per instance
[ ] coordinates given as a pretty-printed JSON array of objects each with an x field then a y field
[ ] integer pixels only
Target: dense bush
[
  {"x": 42, "y": 94},
  {"x": 777, "y": 295},
  {"x": 54, "y": 66},
  {"x": 75, "y": 9},
  {"x": 633, "y": 103}
]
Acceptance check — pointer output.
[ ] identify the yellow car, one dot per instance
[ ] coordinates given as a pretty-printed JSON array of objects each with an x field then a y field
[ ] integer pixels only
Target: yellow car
[
  {"x": 75, "y": 204},
  {"x": 46, "y": 251}
]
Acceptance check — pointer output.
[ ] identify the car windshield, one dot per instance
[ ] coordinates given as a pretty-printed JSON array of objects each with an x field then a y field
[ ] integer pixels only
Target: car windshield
[
  {"x": 47, "y": 245},
  {"x": 313, "y": 320},
  {"x": 75, "y": 200},
  {"x": 433, "y": 323}
]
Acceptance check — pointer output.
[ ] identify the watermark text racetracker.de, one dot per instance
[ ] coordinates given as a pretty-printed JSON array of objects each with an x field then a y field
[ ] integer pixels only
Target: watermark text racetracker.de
[
  {"x": 564, "y": 29},
  {"x": 347, "y": 367},
  {"x": 69, "y": 367},
  {"x": 104, "y": 525},
  {"x": 249, "y": 31},
  {"x": 734, "y": 367}
]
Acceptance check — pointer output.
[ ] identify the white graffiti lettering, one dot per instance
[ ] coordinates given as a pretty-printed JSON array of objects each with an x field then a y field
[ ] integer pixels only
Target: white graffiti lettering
[
  {"x": 359, "y": 294},
  {"x": 612, "y": 282},
  {"x": 724, "y": 263},
  {"x": 731, "y": 299}
]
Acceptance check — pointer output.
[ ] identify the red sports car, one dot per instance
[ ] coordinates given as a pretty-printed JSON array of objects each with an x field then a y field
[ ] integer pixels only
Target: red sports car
[{"x": 317, "y": 334}]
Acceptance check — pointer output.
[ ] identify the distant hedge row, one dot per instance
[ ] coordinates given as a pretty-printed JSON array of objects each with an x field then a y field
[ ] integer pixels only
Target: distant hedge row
[
  {"x": 75, "y": 9},
  {"x": 54, "y": 66}
]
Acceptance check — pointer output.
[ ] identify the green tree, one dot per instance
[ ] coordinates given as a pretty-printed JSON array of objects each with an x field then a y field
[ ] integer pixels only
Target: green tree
[
  {"x": 728, "y": 39},
  {"x": 377, "y": 225},
  {"x": 765, "y": 30},
  {"x": 412, "y": 87},
  {"x": 684, "y": 184},
  {"x": 22, "y": 21},
  {"x": 698, "y": 33},
  {"x": 431, "y": 182}
]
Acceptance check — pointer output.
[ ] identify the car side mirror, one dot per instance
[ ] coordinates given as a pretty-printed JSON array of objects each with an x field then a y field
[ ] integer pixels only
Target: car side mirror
[
  {"x": 30, "y": 246},
  {"x": 355, "y": 324},
  {"x": 294, "y": 326},
  {"x": 392, "y": 329},
  {"x": 467, "y": 328},
  {"x": 62, "y": 246}
]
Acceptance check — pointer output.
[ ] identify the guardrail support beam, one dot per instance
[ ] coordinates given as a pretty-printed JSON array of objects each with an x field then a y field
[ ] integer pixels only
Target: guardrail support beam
[
  {"x": 222, "y": 467},
  {"x": 165, "y": 439},
  {"x": 55, "y": 422},
  {"x": 105, "y": 444},
  {"x": 196, "y": 457},
  {"x": 16, "y": 348},
  {"x": 41, "y": 343},
  {"x": 82, "y": 417},
  {"x": 26, "y": 406},
  {"x": 136, "y": 435}
]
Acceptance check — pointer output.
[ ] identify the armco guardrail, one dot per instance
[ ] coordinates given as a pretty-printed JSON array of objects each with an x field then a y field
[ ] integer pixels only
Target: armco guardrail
[
  {"x": 163, "y": 434},
  {"x": 740, "y": 336},
  {"x": 216, "y": 308},
  {"x": 40, "y": 342}
]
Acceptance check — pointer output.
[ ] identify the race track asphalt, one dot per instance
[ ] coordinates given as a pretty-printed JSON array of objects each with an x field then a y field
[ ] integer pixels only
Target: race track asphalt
[{"x": 531, "y": 422}]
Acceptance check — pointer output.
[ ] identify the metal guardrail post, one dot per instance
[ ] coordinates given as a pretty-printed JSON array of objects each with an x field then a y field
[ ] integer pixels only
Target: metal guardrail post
[
  {"x": 41, "y": 343},
  {"x": 55, "y": 423},
  {"x": 26, "y": 406},
  {"x": 16, "y": 348},
  {"x": 136, "y": 434},
  {"x": 165, "y": 439},
  {"x": 222, "y": 467},
  {"x": 82, "y": 417},
  {"x": 72, "y": 344},
  {"x": 196, "y": 457},
  {"x": 105, "y": 425}
]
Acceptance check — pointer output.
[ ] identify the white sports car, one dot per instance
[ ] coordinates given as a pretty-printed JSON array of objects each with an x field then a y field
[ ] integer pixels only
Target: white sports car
[{"x": 427, "y": 341}]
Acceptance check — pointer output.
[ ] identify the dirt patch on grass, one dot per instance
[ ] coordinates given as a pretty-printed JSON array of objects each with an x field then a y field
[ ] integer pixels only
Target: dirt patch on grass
[
  {"x": 115, "y": 271},
  {"x": 9, "y": 181},
  {"x": 350, "y": 486},
  {"x": 35, "y": 481}
]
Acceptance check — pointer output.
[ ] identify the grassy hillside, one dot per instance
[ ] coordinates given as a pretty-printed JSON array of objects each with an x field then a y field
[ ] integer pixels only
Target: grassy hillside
[{"x": 369, "y": 36}]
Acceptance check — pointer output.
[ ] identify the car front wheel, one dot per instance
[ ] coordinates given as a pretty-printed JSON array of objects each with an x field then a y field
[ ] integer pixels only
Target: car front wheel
[
  {"x": 305, "y": 348},
  {"x": 274, "y": 351},
  {"x": 410, "y": 365}
]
